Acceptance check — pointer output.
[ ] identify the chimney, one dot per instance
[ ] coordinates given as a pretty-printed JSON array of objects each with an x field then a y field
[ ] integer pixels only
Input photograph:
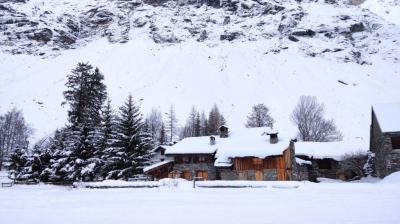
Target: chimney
[
  {"x": 273, "y": 136},
  {"x": 223, "y": 131},
  {"x": 292, "y": 141},
  {"x": 212, "y": 140}
]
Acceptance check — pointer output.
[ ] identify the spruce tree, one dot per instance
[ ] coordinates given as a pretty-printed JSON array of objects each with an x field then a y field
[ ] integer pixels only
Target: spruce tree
[
  {"x": 18, "y": 163},
  {"x": 197, "y": 125},
  {"x": 85, "y": 95},
  {"x": 215, "y": 120},
  {"x": 108, "y": 135},
  {"x": 132, "y": 144},
  {"x": 59, "y": 169},
  {"x": 163, "y": 135},
  {"x": 204, "y": 124}
]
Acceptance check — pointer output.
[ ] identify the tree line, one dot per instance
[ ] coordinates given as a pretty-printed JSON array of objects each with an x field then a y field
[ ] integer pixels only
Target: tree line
[
  {"x": 99, "y": 142},
  {"x": 96, "y": 143}
]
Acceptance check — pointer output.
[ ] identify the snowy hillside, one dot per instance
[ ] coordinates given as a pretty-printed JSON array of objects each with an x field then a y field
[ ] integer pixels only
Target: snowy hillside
[
  {"x": 389, "y": 9},
  {"x": 243, "y": 53}
]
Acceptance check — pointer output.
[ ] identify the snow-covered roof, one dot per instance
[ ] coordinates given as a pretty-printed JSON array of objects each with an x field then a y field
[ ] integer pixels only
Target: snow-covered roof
[
  {"x": 388, "y": 116},
  {"x": 333, "y": 150},
  {"x": 148, "y": 168},
  {"x": 302, "y": 161},
  {"x": 193, "y": 145},
  {"x": 161, "y": 146},
  {"x": 240, "y": 143},
  {"x": 249, "y": 142}
]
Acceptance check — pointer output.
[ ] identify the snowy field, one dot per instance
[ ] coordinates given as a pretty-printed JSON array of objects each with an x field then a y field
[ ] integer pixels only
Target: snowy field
[{"x": 328, "y": 202}]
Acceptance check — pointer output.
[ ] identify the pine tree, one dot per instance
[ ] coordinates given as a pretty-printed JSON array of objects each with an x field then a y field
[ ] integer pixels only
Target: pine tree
[
  {"x": 197, "y": 125},
  {"x": 108, "y": 137},
  {"x": 163, "y": 135},
  {"x": 40, "y": 160},
  {"x": 108, "y": 133},
  {"x": 215, "y": 120},
  {"x": 18, "y": 163},
  {"x": 132, "y": 144},
  {"x": 189, "y": 130},
  {"x": 60, "y": 167},
  {"x": 85, "y": 95},
  {"x": 259, "y": 117},
  {"x": 204, "y": 124}
]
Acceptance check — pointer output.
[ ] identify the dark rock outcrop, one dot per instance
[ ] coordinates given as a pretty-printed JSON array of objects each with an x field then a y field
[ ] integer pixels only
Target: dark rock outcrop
[
  {"x": 229, "y": 36},
  {"x": 358, "y": 27},
  {"x": 41, "y": 35},
  {"x": 292, "y": 38},
  {"x": 303, "y": 33}
]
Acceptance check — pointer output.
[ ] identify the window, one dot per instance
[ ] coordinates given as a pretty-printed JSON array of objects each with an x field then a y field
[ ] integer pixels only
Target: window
[
  {"x": 203, "y": 174},
  {"x": 178, "y": 159},
  {"x": 324, "y": 164},
  {"x": 162, "y": 151},
  {"x": 186, "y": 159},
  {"x": 202, "y": 159},
  {"x": 395, "y": 142}
]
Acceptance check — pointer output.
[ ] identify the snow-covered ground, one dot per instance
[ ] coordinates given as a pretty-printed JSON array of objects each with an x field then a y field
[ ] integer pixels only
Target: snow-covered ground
[{"x": 327, "y": 203}]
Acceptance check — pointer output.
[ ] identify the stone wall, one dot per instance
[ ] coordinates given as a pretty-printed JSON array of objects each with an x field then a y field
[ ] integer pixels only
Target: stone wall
[
  {"x": 193, "y": 167},
  {"x": 301, "y": 172},
  {"x": 229, "y": 174},
  {"x": 270, "y": 174},
  {"x": 387, "y": 160}
]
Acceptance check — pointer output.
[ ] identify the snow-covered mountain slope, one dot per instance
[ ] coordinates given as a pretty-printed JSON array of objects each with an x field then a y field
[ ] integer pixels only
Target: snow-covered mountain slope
[
  {"x": 243, "y": 53},
  {"x": 387, "y": 9}
]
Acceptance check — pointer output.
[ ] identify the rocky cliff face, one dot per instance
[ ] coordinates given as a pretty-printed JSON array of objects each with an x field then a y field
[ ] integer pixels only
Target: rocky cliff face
[{"x": 329, "y": 29}]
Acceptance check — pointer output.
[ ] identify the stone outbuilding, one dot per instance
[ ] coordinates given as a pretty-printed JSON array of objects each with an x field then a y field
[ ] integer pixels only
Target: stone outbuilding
[{"x": 385, "y": 138}]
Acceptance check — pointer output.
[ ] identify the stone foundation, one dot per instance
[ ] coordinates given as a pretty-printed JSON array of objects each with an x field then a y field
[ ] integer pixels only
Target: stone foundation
[{"x": 193, "y": 167}]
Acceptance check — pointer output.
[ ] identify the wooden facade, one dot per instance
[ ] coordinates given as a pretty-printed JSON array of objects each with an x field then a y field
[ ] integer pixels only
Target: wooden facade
[
  {"x": 282, "y": 164},
  {"x": 194, "y": 158},
  {"x": 160, "y": 172}
]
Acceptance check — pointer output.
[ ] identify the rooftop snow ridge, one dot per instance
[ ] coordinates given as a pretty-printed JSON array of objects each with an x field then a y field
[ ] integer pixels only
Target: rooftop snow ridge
[
  {"x": 388, "y": 116},
  {"x": 252, "y": 142}
]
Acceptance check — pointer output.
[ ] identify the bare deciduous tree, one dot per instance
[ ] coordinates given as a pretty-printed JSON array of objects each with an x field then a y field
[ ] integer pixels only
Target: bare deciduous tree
[
  {"x": 14, "y": 131},
  {"x": 154, "y": 122},
  {"x": 355, "y": 162},
  {"x": 309, "y": 119},
  {"x": 171, "y": 123},
  {"x": 259, "y": 117}
]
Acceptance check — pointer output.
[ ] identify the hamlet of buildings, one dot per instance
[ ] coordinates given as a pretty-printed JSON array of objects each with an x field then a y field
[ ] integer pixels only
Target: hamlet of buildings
[{"x": 251, "y": 154}]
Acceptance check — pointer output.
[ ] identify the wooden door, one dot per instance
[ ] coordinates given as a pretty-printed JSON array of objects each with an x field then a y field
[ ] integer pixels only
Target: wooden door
[
  {"x": 281, "y": 174},
  {"x": 186, "y": 175},
  {"x": 259, "y": 175},
  {"x": 202, "y": 174}
]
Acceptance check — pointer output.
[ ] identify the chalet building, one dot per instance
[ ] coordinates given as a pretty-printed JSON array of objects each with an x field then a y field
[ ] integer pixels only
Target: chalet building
[
  {"x": 252, "y": 154},
  {"x": 159, "y": 153},
  {"x": 385, "y": 138},
  {"x": 248, "y": 154}
]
